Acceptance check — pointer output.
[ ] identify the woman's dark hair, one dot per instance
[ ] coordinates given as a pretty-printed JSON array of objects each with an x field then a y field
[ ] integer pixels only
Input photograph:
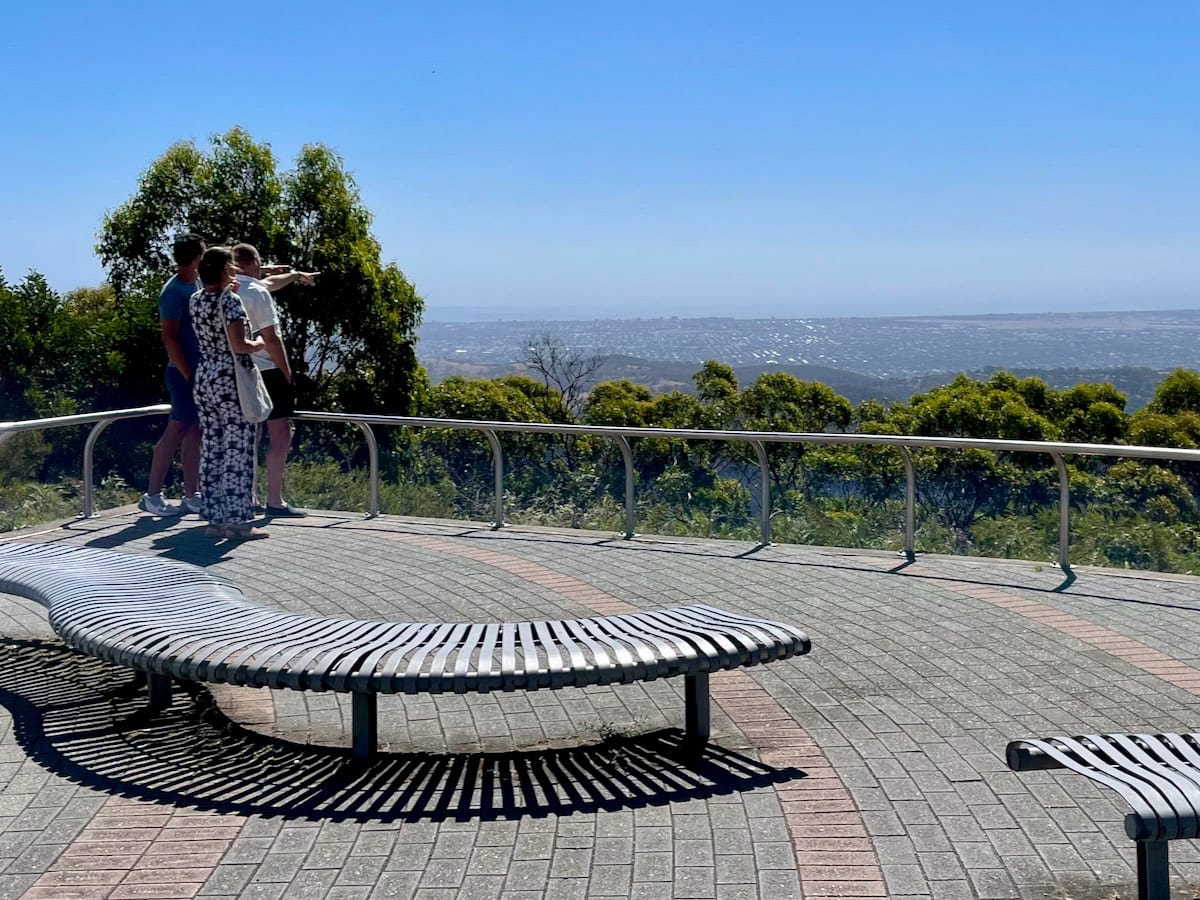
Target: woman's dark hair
[{"x": 212, "y": 265}]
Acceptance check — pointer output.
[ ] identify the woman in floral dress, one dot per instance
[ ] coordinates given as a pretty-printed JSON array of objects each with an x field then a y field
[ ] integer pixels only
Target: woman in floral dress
[{"x": 226, "y": 438}]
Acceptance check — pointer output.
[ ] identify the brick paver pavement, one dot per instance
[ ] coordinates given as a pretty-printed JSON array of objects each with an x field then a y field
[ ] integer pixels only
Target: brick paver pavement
[{"x": 872, "y": 767}]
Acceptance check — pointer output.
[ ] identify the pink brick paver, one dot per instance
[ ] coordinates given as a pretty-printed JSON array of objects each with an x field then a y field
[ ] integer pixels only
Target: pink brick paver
[{"x": 133, "y": 849}]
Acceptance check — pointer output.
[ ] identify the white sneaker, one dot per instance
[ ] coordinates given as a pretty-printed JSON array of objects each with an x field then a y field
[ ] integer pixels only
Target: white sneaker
[
  {"x": 156, "y": 505},
  {"x": 191, "y": 504}
]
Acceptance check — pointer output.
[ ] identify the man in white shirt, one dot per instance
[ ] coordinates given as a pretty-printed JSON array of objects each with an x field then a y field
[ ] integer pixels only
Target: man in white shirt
[{"x": 255, "y": 290}]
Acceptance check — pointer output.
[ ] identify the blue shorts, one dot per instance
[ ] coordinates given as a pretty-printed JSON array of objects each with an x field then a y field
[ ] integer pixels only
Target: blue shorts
[{"x": 183, "y": 405}]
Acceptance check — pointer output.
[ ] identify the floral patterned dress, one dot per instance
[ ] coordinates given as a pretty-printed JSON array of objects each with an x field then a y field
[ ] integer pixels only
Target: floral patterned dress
[{"x": 226, "y": 438}]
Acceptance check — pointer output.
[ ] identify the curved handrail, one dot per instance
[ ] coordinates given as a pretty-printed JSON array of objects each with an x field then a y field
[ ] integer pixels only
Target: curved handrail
[
  {"x": 99, "y": 421},
  {"x": 622, "y": 435},
  {"x": 82, "y": 418}
]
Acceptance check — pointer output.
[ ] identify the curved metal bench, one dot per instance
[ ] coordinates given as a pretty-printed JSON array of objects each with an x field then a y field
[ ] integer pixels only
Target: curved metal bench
[
  {"x": 1158, "y": 775},
  {"x": 174, "y": 620}
]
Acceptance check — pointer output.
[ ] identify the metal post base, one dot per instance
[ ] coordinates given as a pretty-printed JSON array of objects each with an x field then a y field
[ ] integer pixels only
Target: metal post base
[
  {"x": 159, "y": 689},
  {"x": 695, "y": 692},
  {"x": 365, "y": 723},
  {"x": 1152, "y": 871}
]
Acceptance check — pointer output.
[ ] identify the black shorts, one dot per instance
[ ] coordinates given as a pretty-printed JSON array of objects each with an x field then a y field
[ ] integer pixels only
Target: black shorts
[{"x": 283, "y": 394}]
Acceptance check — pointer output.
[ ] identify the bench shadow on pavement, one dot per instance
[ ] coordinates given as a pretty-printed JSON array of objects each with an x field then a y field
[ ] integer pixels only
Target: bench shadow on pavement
[{"x": 85, "y": 720}]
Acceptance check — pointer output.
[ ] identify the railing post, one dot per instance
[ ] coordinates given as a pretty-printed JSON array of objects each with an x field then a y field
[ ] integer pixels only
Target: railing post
[
  {"x": 373, "y": 469},
  {"x": 1064, "y": 514},
  {"x": 89, "y": 487},
  {"x": 498, "y": 471},
  {"x": 627, "y": 455},
  {"x": 764, "y": 514},
  {"x": 910, "y": 505}
]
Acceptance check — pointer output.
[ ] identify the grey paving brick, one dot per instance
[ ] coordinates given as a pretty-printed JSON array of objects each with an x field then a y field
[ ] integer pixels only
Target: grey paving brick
[
  {"x": 265, "y": 891},
  {"x": 694, "y": 881},
  {"x": 374, "y": 843},
  {"x": 280, "y": 867},
  {"x": 567, "y": 888},
  {"x": 570, "y": 863},
  {"x": 362, "y": 870},
  {"x": 395, "y": 886},
  {"x": 409, "y": 856},
  {"x": 738, "y": 869},
  {"x": 653, "y": 866},
  {"x": 480, "y": 887},
  {"x": 327, "y": 855},
  {"x": 490, "y": 861},
  {"x": 443, "y": 873},
  {"x": 649, "y": 839},
  {"x": 346, "y": 892},
  {"x": 533, "y": 846},
  {"x": 610, "y": 880},
  {"x": 311, "y": 884},
  {"x": 15, "y": 884},
  {"x": 248, "y": 850},
  {"x": 527, "y": 875},
  {"x": 693, "y": 852}
]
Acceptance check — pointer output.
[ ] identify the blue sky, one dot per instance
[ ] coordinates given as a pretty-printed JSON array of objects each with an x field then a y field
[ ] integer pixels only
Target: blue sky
[{"x": 572, "y": 160}]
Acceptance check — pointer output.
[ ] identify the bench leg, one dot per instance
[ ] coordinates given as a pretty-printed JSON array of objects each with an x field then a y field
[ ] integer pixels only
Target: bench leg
[
  {"x": 1152, "y": 870},
  {"x": 695, "y": 691},
  {"x": 365, "y": 723},
  {"x": 160, "y": 690}
]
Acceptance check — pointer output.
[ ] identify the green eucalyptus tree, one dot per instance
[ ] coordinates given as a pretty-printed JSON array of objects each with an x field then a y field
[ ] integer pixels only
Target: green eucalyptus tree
[{"x": 351, "y": 336}]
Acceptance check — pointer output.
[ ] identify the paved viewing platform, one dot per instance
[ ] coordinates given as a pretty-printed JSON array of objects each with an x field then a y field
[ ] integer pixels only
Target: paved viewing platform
[{"x": 872, "y": 767}]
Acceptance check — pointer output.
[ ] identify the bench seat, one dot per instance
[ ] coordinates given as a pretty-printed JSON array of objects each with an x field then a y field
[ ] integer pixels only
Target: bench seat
[
  {"x": 1158, "y": 775},
  {"x": 174, "y": 620}
]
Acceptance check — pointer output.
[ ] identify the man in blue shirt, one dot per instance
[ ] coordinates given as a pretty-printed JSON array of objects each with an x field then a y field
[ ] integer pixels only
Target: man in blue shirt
[{"x": 183, "y": 353}]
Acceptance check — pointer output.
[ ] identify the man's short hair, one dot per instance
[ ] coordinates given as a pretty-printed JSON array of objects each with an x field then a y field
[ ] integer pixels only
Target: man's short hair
[
  {"x": 212, "y": 265},
  {"x": 187, "y": 248},
  {"x": 245, "y": 254}
]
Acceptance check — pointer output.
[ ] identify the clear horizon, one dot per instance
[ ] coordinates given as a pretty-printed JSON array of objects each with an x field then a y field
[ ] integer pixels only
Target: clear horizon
[{"x": 560, "y": 162}]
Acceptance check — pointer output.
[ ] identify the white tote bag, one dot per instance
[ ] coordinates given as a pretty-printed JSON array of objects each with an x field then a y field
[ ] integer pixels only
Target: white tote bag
[{"x": 252, "y": 390}]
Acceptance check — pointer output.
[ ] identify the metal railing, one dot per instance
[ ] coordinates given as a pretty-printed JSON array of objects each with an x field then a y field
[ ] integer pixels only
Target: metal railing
[
  {"x": 621, "y": 437},
  {"x": 99, "y": 422}
]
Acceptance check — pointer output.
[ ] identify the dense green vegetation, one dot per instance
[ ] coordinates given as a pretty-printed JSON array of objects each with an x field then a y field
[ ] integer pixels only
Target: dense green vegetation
[
  {"x": 1127, "y": 512},
  {"x": 353, "y": 337}
]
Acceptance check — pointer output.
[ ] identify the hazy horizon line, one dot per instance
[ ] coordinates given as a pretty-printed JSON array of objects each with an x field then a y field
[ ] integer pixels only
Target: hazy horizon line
[{"x": 509, "y": 320}]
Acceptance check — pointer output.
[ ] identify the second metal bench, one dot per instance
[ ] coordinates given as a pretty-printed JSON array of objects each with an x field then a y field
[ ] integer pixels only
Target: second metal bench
[{"x": 1158, "y": 775}]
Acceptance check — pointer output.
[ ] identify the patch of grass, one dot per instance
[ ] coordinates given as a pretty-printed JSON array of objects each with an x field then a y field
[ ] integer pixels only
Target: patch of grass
[{"x": 25, "y": 503}]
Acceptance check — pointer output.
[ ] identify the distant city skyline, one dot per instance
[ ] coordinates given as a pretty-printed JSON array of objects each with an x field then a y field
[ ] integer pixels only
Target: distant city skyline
[
  {"x": 567, "y": 161},
  {"x": 798, "y": 310}
]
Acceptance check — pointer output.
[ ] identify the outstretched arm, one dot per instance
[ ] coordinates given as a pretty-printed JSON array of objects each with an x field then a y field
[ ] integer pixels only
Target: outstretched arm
[{"x": 283, "y": 279}]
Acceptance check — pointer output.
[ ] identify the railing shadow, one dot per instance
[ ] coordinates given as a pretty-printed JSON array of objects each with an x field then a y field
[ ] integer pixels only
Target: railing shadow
[
  {"x": 85, "y": 720},
  {"x": 1060, "y": 583},
  {"x": 190, "y": 546}
]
